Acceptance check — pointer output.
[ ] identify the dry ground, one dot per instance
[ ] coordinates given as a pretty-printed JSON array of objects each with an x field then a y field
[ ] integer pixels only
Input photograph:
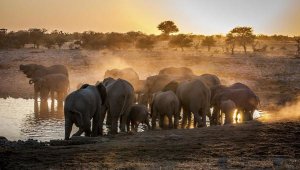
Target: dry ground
[{"x": 251, "y": 145}]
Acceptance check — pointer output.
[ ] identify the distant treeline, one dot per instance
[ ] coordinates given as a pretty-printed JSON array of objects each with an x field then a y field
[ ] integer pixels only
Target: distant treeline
[{"x": 239, "y": 36}]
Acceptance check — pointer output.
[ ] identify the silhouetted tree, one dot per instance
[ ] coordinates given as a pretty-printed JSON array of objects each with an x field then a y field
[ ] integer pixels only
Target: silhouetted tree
[
  {"x": 243, "y": 36},
  {"x": 36, "y": 36},
  {"x": 92, "y": 40},
  {"x": 59, "y": 38},
  {"x": 116, "y": 40},
  {"x": 209, "y": 42},
  {"x": 180, "y": 40},
  {"x": 230, "y": 41},
  {"x": 134, "y": 36},
  {"x": 22, "y": 38},
  {"x": 167, "y": 27},
  {"x": 145, "y": 42}
]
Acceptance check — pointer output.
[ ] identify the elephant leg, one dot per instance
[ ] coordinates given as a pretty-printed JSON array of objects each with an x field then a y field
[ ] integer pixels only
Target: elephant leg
[
  {"x": 124, "y": 119},
  {"x": 176, "y": 120},
  {"x": 170, "y": 121},
  {"x": 161, "y": 121},
  {"x": 101, "y": 120},
  {"x": 95, "y": 125},
  {"x": 136, "y": 126},
  {"x": 132, "y": 125},
  {"x": 79, "y": 132},
  {"x": 87, "y": 132},
  {"x": 68, "y": 128},
  {"x": 108, "y": 119},
  {"x": 153, "y": 120},
  {"x": 147, "y": 123},
  {"x": 197, "y": 117},
  {"x": 184, "y": 118},
  {"x": 114, "y": 124},
  {"x": 215, "y": 116},
  {"x": 128, "y": 125},
  {"x": 189, "y": 117}
]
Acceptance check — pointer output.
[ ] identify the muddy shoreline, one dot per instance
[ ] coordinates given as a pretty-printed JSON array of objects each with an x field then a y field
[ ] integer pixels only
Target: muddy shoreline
[{"x": 249, "y": 145}]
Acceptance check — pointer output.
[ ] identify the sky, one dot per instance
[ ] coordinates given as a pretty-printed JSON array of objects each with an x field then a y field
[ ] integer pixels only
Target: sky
[{"x": 191, "y": 16}]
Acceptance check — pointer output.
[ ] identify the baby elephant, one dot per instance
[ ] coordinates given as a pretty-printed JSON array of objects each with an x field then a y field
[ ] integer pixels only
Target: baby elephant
[
  {"x": 227, "y": 107},
  {"x": 138, "y": 114},
  {"x": 165, "y": 104}
]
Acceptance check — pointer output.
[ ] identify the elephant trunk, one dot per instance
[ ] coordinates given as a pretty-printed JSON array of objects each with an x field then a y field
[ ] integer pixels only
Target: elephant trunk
[{"x": 68, "y": 128}]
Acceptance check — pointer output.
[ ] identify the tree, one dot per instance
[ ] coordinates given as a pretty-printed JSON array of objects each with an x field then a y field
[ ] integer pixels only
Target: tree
[
  {"x": 209, "y": 41},
  {"x": 243, "y": 36},
  {"x": 36, "y": 36},
  {"x": 145, "y": 42},
  {"x": 230, "y": 41},
  {"x": 167, "y": 27},
  {"x": 22, "y": 38},
  {"x": 180, "y": 40},
  {"x": 134, "y": 36},
  {"x": 59, "y": 38}
]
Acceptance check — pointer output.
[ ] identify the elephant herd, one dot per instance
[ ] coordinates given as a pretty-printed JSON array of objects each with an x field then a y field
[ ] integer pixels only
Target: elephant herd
[
  {"x": 48, "y": 80},
  {"x": 122, "y": 98}
]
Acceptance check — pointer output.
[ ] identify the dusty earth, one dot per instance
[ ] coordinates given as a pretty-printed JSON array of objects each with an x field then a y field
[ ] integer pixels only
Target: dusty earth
[
  {"x": 258, "y": 144},
  {"x": 252, "y": 145}
]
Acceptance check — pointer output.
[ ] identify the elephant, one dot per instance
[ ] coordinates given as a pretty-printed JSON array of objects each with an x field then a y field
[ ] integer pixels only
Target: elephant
[
  {"x": 36, "y": 70},
  {"x": 244, "y": 98},
  {"x": 165, "y": 104},
  {"x": 227, "y": 107},
  {"x": 83, "y": 105},
  {"x": 176, "y": 71},
  {"x": 120, "y": 97},
  {"x": 52, "y": 83},
  {"x": 194, "y": 97},
  {"x": 138, "y": 114},
  {"x": 157, "y": 83}
]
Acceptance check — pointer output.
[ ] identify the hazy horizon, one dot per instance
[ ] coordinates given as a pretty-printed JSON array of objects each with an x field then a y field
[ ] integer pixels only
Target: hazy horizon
[{"x": 195, "y": 16}]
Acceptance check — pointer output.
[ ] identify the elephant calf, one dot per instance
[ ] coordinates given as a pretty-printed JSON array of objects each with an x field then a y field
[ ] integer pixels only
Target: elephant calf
[
  {"x": 138, "y": 114},
  {"x": 165, "y": 104},
  {"x": 227, "y": 107}
]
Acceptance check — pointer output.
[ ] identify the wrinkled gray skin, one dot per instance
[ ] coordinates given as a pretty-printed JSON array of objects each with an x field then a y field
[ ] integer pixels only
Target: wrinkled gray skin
[
  {"x": 83, "y": 105},
  {"x": 227, "y": 107},
  {"x": 244, "y": 98},
  {"x": 35, "y": 71},
  {"x": 209, "y": 80},
  {"x": 138, "y": 114},
  {"x": 194, "y": 96},
  {"x": 52, "y": 83},
  {"x": 157, "y": 83},
  {"x": 165, "y": 104},
  {"x": 120, "y": 97}
]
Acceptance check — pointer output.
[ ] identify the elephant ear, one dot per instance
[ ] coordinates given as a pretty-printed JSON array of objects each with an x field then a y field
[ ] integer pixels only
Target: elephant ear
[
  {"x": 173, "y": 85},
  {"x": 84, "y": 86},
  {"x": 102, "y": 92}
]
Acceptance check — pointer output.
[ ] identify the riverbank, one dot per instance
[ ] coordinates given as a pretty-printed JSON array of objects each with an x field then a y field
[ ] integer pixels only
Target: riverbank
[{"x": 251, "y": 145}]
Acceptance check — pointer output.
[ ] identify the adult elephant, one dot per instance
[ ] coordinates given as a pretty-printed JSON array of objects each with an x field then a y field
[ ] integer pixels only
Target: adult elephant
[
  {"x": 51, "y": 83},
  {"x": 176, "y": 71},
  {"x": 83, "y": 105},
  {"x": 35, "y": 71},
  {"x": 244, "y": 98},
  {"x": 157, "y": 83},
  {"x": 120, "y": 97},
  {"x": 194, "y": 96},
  {"x": 165, "y": 104}
]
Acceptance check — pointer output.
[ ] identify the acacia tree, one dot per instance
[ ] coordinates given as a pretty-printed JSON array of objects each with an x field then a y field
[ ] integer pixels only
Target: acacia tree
[
  {"x": 167, "y": 27},
  {"x": 243, "y": 36},
  {"x": 230, "y": 41},
  {"x": 36, "y": 36},
  {"x": 180, "y": 40},
  {"x": 209, "y": 42}
]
